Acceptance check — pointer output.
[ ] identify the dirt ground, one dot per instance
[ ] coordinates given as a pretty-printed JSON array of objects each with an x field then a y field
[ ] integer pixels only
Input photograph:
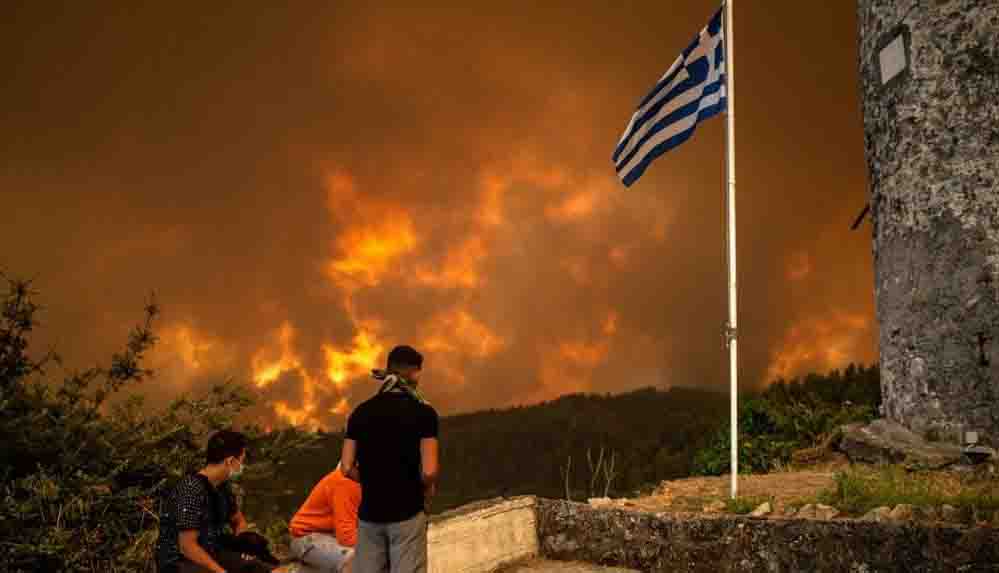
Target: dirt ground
[
  {"x": 784, "y": 488},
  {"x": 545, "y": 566}
]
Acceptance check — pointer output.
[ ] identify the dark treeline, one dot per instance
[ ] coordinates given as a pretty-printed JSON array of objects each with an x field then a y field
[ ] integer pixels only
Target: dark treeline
[{"x": 646, "y": 436}]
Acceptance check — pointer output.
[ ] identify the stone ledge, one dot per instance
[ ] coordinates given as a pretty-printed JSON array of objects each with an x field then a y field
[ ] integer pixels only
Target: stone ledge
[{"x": 479, "y": 537}]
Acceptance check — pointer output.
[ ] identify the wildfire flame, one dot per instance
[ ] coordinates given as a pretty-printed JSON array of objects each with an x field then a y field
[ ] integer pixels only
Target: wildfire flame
[
  {"x": 374, "y": 236},
  {"x": 573, "y": 361},
  {"x": 460, "y": 267},
  {"x": 459, "y": 331},
  {"x": 341, "y": 367},
  {"x": 818, "y": 345}
]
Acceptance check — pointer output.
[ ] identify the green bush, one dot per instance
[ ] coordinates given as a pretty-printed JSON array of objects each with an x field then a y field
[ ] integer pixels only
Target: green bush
[
  {"x": 860, "y": 489},
  {"x": 82, "y": 474},
  {"x": 789, "y": 416}
]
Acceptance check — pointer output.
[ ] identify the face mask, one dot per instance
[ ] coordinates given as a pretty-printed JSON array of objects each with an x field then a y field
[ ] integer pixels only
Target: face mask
[{"x": 237, "y": 472}]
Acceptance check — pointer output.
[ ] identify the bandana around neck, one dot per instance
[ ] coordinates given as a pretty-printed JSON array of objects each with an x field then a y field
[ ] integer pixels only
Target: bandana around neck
[{"x": 393, "y": 382}]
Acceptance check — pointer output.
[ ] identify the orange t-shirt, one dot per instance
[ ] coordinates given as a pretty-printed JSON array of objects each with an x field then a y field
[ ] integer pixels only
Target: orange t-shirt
[{"x": 331, "y": 507}]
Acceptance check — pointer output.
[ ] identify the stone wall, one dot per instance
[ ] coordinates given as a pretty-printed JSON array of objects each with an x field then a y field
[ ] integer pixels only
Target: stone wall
[
  {"x": 932, "y": 147},
  {"x": 695, "y": 543}
]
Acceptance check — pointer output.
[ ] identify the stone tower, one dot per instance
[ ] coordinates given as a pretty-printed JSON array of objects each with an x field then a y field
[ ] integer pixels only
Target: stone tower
[{"x": 930, "y": 87}]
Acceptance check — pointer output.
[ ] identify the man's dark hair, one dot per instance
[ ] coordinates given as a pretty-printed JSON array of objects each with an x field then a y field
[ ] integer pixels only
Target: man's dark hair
[
  {"x": 224, "y": 444},
  {"x": 404, "y": 357}
]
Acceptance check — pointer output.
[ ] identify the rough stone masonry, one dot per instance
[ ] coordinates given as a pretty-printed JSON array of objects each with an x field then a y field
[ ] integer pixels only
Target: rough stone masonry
[{"x": 930, "y": 88}]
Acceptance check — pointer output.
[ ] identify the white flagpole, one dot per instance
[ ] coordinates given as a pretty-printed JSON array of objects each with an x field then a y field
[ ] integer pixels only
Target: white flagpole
[{"x": 731, "y": 332}]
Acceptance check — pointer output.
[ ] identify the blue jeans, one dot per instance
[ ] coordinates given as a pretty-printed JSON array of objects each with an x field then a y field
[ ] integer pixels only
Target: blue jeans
[
  {"x": 392, "y": 547},
  {"x": 320, "y": 553}
]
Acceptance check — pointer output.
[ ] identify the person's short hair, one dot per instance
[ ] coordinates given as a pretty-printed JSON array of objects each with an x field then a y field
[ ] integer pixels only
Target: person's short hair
[
  {"x": 224, "y": 444},
  {"x": 404, "y": 357}
]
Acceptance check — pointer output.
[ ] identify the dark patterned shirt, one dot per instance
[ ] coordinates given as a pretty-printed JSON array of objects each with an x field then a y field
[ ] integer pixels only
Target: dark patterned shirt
[{"x": 193, "y": 504}]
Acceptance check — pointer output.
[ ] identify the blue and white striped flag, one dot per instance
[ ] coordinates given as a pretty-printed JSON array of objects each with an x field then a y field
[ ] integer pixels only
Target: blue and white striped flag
[{"x": 692, "y": 90}]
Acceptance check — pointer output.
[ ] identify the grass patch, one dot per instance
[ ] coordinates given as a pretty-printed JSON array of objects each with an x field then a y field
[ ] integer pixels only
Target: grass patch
[
  {"x": 744, "y": 505},
  {"x": 861, "y": 489},
  {"x": 799, "y": 503}
]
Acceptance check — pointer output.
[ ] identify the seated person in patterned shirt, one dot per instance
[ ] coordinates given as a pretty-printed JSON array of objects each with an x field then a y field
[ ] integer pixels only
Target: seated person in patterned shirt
[
  {"x": 324, "y": 530},
  {"x": 192, "y": 537}
]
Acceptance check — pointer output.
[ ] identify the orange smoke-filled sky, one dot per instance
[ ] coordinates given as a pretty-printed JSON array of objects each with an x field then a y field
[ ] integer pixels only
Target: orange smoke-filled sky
[{"x": 306, "y": 185}]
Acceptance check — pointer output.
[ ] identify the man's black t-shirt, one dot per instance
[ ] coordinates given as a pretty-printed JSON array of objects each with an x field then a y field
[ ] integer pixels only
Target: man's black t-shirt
[{"x": 388, "y": 429}]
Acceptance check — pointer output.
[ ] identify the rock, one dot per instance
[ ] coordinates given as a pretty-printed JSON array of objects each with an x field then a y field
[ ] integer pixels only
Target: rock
[
  {"x": 715, "y": 507},
  {"x": 928, "y": 514},
  {"x": 818, "y": 452},
  {"x": 764, "y": 509},
  {"x": 806, "y": 512},
  {"x": 883, "y": 441},
  {"x": 975, "y": 455},
  {"x": 600, "y": 501},
  {"x": 878, "y": 514},
  {"x": 951, "y": 513},
  {"x": 902, "y": 512},
  {"x": 825, "y": 512}
]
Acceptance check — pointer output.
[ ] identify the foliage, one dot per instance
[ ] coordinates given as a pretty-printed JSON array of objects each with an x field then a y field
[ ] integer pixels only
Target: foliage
[
  {"x": 743, "y": 505},
  {"x": 789, "y": 416},
  {"x": 83, "y": 470},
  {"x": 860, "y": 489}
]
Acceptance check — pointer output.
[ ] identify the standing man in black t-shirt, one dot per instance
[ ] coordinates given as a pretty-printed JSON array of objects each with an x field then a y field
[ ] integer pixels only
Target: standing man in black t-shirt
[{"x": 393, "y": 436}]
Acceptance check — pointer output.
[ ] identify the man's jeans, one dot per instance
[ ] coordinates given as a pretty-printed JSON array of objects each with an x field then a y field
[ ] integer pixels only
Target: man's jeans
[
  {"x": 320, "y": 553},
  {"x": 392, "y": 547}
]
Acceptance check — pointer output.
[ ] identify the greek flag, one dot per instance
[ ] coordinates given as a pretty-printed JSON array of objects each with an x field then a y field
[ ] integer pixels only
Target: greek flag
[{"x": 692, "y": 90}]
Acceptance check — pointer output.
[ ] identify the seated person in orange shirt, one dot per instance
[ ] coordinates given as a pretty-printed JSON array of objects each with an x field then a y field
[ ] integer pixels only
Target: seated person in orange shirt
[{"x": 324, "y": 531}]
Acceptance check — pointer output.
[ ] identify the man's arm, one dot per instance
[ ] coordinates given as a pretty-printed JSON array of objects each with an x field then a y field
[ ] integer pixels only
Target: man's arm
[
  {"x": 348, "y": 454},
  {"x": 191, "y": 549},
  {"x": 238, "y": 522},
  {"x": 346, "y": 501},
  {"x": 429, "y": 460},
  {"x": 189, "y": 507},
  {"x": 348, "y": 459},
  {"x": 431, "y": 469}
]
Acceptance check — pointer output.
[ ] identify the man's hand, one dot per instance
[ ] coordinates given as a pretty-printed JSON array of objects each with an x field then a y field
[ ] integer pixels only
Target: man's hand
[
  {"x": 348, "y": 565},
  {"x": 239, "y": 523},
  {"x": 429, "y": 491}
]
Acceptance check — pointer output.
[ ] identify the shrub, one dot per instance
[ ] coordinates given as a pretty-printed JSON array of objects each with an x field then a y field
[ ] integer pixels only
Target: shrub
[
  {"x": 790, "y": 416},
  {"x": 82, "y": 477}
]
